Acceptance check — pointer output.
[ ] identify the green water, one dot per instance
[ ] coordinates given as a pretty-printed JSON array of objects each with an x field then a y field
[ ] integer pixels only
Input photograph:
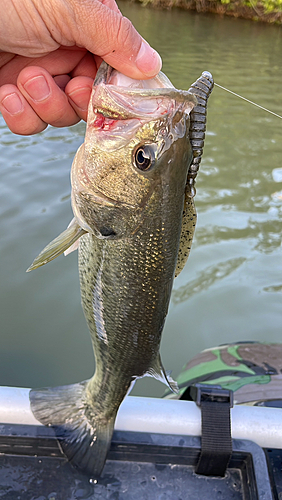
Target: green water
[{"x": 231, "y": 287}]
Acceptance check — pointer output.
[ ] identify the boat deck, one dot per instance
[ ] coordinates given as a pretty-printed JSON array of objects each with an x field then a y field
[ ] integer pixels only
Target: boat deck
[{"x": 140, "y": 466}]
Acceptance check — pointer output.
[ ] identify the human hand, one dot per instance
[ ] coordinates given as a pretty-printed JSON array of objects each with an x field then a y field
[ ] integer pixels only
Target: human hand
[{"x": 49, "y": 54}]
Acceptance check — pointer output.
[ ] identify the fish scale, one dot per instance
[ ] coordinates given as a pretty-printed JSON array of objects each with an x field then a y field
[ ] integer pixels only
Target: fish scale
[{"x": 134, "y": 219}]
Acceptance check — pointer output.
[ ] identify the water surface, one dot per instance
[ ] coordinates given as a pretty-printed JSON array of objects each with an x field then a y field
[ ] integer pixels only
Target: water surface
[{"x": 231, "y": 287}]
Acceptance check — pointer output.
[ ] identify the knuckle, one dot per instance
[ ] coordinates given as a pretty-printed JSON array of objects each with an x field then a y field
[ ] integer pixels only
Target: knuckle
[
  {"x": 125, "y": 32},
  {"x": 63, "y": 118},
  {"x": 57, "y": 117}
]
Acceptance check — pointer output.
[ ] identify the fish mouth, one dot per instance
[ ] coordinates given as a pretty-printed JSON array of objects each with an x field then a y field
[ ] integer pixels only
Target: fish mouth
[{"x": 119, "y": 106}]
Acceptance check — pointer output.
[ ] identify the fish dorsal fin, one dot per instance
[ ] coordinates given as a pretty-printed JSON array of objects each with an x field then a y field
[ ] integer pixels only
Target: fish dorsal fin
[
  {"x": 59, "y": 245},
  {"x": 158, "y": 372},
  {"x": 189, "y": 219}
]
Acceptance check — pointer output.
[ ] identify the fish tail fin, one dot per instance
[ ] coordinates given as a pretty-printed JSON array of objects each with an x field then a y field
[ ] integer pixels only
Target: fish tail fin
[
  {"x": 158, "y": 372},
  {"x": 83, "y": 435}
]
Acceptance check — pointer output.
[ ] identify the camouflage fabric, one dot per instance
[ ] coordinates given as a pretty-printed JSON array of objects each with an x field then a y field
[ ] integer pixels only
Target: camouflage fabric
[{"x": 252, "y": 370}]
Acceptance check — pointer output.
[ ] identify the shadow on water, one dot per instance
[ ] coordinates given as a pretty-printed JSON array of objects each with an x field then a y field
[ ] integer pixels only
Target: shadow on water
[{"x": 206, "y": 279}]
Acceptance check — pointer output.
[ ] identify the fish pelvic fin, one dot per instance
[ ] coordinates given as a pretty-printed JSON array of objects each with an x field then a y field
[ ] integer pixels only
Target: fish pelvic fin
[
  {"x": 83, "y": 435},
  {"x": 59, "y": 245},
  {"x": 158, "y": 372}
]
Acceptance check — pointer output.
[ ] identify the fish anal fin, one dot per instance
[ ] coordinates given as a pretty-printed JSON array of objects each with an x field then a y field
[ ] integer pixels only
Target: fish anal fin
[
  {"x": 158, "y": 372},
  {"x": 83, "y": 436},
  {"x": 59, "y": 245},
  {"x": 189, "y": 219}
]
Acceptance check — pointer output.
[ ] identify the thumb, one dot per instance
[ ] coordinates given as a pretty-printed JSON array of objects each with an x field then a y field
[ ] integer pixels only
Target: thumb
[{"x": 107, "y": 33}]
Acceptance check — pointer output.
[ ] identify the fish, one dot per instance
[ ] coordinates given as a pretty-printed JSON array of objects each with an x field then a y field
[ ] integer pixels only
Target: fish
[{"x": 134, "y": 218}]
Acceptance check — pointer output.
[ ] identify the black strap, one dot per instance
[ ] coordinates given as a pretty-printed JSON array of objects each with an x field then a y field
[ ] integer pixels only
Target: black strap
[{"x": 216, "y": 450}]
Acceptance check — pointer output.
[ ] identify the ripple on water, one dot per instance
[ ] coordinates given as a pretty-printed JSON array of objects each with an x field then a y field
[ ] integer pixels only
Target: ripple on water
[{"x": 235, "y": 262}]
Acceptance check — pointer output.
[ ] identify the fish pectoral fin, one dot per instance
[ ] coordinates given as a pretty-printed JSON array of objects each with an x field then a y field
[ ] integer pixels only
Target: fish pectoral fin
[
  {"x": 83, "y": 436},
  {"x": 59, "y": 245},
  {"x": 72, "y": 248},
  {"x": 158, "y": 372}
]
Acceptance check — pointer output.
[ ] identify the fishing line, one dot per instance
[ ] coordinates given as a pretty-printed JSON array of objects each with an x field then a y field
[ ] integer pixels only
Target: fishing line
[{"x": 250, "y": 102}]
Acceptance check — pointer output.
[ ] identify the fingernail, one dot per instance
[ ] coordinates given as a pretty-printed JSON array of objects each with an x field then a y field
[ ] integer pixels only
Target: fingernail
[
  {"x": 79, "y": 97},
  {"x": 12, "y": 103},
  {"x": 37, "y": 88},
  {"x": 148, "y": 60}
]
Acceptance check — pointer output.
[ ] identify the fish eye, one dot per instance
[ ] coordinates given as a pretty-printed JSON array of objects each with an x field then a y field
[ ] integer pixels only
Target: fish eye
[{"x": 144, "y": 157}]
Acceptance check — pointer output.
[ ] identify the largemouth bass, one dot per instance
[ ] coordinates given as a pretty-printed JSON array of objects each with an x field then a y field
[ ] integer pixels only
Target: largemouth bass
[{"x": 134, "y": 218}]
